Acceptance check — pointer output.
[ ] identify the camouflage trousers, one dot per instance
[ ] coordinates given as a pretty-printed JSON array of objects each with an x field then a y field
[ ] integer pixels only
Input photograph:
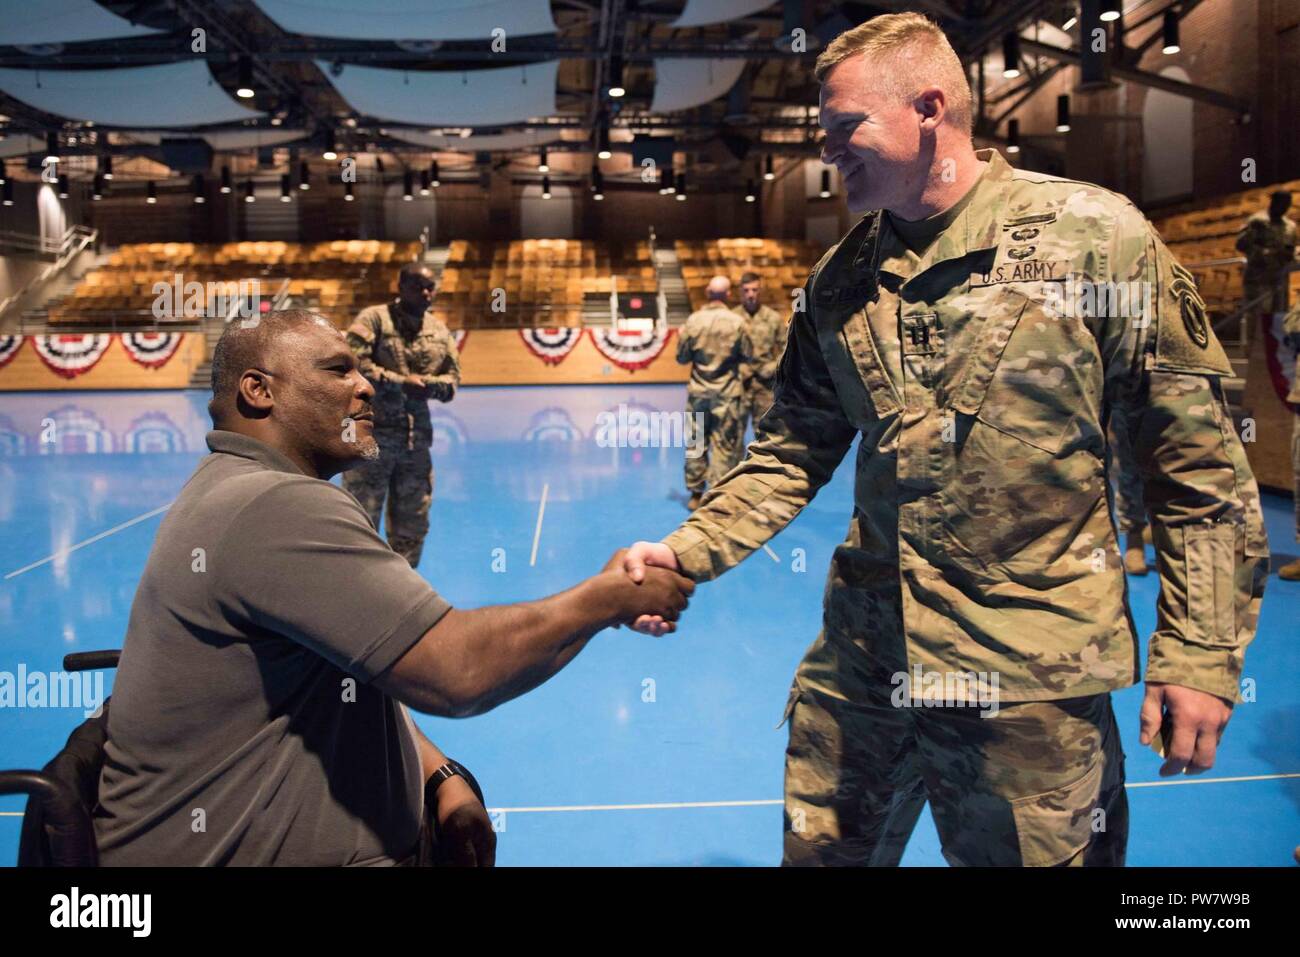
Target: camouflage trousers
[
  {"x": 1130, "y": 503},
  {"x": 403, "y": 477},
  {"x": 758, "y": 399},
  {"x": 717, "y": 438},
  {"x": 1030, "y": 784}
]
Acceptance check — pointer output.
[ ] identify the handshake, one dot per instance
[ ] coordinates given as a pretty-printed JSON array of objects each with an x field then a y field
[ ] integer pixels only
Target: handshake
[
  {"x": 644, "y": 585},
  {"x": 420, "y": 386}
]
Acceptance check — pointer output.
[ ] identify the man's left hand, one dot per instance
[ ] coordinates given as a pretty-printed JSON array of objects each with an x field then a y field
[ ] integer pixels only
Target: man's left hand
[
  {"x": 1195, "y": 719},
  {"x": 465, "y": 835}
]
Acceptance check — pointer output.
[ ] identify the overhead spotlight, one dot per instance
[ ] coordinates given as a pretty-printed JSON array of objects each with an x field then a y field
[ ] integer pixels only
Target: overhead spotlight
[
  {"x": 542, "y": 165},
  {"x": 602, "y": 141},
  {"x": 245, "y": 89},
  {"x": 1063, "y": 113},
  {"x": 751, "y": 192},
  {"x": 106, "y": 168},
  {"x": 4, "y": 173},
  {"x": 769, "y": 168},
  {"x": 408, "y": 186},
  {"x": 63, "y": 186},
  {"x": 151, "y": 193},
  {"x": 249, "y": 197},
  {"x": 679, "y": 187},
  {"x": 199, "y": 191},
  {"x": 225, "y": 179},
  {"x": 1171, "y": 33},
  {"x": 284, "y": 188},
  {"x": 825, "y": 192},
  {"x": 8, "y": 193},
  {"x": 1110, "y": 10},
  {"x": 347, "y": 192},
  {"x": 96, "y": 188},
  {"x": 51, "y": 147},
  {"x": 666, "y": 185},
  {"x": 304, "y": 175},
  {"x": 616, "y": 88},
  {"x": 329, "y": 153},
  {"x": 424, "y": 183},
  {"x": 276, "y": 120},
  {"x": 1013, "y": 136},
  {"x": 434, "y": 181},
  {"x": 597, "y": 185},
  {"x": 1011, "y": 55},
  {"x": 546, "y": 187}
]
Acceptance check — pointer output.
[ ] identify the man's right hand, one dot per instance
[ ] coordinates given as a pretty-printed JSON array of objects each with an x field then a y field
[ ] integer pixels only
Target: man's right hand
[
  {"x": 415, "y": 384},
  {"x": 656, "y": 594},
  {"x": 638, "y": 561}
]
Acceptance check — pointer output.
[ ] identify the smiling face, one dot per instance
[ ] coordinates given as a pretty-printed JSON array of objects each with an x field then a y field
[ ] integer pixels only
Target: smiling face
[
  {"x": 874, "y": 138},
  {"x": 321, "y": 399}
]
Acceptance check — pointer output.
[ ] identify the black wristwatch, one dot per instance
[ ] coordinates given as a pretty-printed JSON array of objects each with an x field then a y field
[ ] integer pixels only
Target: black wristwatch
[{"x": 450, "y": 770}]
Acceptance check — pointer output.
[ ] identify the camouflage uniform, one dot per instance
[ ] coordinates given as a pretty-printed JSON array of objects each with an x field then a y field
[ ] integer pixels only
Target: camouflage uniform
[
  {"x": 716, "y": 344},
  {"x": 1130, "y": 507},
  {"x": 981, "y": 539},
  {"x": 388, "y": 349},
  {"x": 1268, "y": 247},
  {"x": 767, "y": 332}
]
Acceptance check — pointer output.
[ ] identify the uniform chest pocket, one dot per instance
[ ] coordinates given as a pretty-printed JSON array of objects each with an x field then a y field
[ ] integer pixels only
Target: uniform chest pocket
[
  {"x": 1036, "y": 370},
  {"x": 855, "y": 367}
]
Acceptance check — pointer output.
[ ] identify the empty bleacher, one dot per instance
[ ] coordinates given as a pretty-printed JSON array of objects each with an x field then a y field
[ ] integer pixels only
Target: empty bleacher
[
  {"x": 783, "y": 265},
  {"x": 543, "y": 282}
]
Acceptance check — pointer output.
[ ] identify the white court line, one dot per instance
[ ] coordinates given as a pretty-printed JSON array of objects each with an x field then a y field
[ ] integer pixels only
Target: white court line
[
  {"x": 679, "y": 805},
  {"x": 537, "y": 533},
  {"x": 768, "y": 549},
  {"x": 90, "y": 541}
]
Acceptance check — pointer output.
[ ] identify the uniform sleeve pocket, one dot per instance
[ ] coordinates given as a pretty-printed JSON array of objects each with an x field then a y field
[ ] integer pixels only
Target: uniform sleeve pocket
[
  {"x": 790, "y": 702},
  {"x": 1054, "y": 826},
  {"x": 1209, "y": 551}
]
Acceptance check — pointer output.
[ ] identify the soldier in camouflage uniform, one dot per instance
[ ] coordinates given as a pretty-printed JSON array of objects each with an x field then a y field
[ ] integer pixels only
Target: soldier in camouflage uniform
[
  {"x": 410, "y": 357},
  {"x": 767, "y": 331},
  {"x": 715, "y": 343},
  {"x": 1130, "y": 507},
  {"x": 1268, "y": 241},
  {"x": 944, "y": 330},
  {"x": 1291, "y": 329}
]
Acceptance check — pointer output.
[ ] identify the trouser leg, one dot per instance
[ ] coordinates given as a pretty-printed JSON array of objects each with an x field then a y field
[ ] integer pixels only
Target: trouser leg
[{"x": 409, "y": 500}]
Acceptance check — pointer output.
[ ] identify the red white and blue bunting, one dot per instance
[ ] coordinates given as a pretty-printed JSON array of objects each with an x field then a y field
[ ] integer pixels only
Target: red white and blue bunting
[
  {"x": 630, "y": 349},
  {"x": 550, "y": 345},
  {"x": 9, "y": 346},
  {"x": 1279, "y": 354},
  {"x": 151, "y": 349},
  {"x": 71, "y": 355},
  {"x": 459, "y": 336}
]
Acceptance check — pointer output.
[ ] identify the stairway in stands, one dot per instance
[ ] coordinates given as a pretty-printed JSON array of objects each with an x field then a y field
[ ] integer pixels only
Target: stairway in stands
[
  {"x": 672, "y": 284},
  {"x": 201, "y": 377}
]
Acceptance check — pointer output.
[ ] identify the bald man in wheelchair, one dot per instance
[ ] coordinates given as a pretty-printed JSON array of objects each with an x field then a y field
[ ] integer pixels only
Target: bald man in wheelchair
[{"x": 259, "y": 715}]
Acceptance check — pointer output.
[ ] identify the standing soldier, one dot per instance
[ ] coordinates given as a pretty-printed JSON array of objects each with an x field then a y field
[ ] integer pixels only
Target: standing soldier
[
  {"x": 1130, "y": 506},
  {"x": 1291, "y": 329},
  {"x": 717, "y": 347},
  {"x": 975, "y": 617},
  {"x": 410, "y": 357},
  {"x": 1268, "y": 242},
  {"x": 767, "y": 332}
]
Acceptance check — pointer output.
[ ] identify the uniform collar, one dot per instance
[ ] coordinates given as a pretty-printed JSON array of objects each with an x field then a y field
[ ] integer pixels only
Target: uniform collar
[
  {"x": 976, "y": 228},
  {"x": 247, "y": 447}
]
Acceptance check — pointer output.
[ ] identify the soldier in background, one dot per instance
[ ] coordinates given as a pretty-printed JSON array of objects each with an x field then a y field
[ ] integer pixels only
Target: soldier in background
[
  {"x": 767, "y": 332},
  {"x": 410, "y": 357},
  {"x": 1291, "y": 329},
  {"x": 715, "y": 343},
  {"x": 1268, "y": 241},
  {"x": 980, "y": 553}
]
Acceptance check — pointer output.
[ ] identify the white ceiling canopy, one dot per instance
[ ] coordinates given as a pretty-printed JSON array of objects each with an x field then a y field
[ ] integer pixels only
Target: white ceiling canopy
[
  {"x": 63, "y": 21},
  {"x": 412, "y": 19},
  {"x": 487, "y": 142},
  {"x": 171, "y": 94},
  {"x": 224, "y": 141},
  {"x": 494, "y": 97},
  {"x": 682, "y": 83},
  {"x": 701, "y": 12}
]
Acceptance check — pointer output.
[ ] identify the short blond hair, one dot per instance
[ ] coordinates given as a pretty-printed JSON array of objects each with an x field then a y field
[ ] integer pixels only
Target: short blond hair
[{"x": 915, "y": 54}]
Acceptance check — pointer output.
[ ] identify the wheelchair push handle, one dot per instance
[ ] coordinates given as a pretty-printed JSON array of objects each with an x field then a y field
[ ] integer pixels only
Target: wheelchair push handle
[{"x": 91, "y": 660}]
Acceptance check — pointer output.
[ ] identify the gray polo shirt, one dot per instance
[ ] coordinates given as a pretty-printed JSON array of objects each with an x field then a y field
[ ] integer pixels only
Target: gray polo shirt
[{"x": 242, "y": 728}]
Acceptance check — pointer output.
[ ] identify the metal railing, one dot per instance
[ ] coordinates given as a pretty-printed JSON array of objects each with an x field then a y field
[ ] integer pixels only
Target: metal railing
[
  {"x": 73, "y": 243},
  {"x": 47, "y": 246}
]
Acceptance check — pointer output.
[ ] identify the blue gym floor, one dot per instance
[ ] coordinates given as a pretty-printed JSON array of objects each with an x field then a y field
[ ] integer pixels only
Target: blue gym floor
[{"x": 586, "y": 770}]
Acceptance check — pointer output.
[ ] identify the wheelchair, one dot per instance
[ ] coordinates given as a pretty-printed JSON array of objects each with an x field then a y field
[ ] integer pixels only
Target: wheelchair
[{"x": 58, "y": 827}]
